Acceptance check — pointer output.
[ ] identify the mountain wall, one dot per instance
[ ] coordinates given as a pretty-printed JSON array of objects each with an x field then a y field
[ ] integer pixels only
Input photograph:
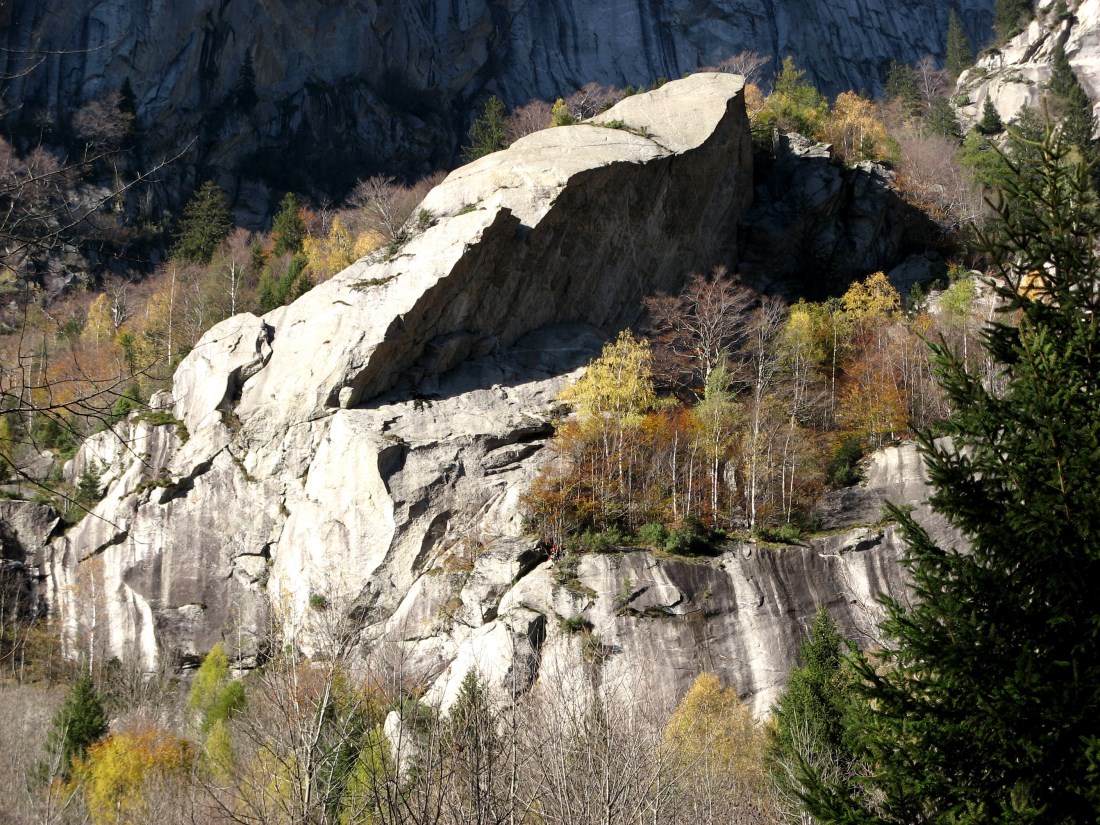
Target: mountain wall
[
  {"x": 368, "y": 446},
  {"x": 353, "y": 87}
]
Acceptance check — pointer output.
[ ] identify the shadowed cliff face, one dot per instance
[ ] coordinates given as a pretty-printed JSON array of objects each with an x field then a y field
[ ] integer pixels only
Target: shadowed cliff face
[{"x": 355, "y": 86}]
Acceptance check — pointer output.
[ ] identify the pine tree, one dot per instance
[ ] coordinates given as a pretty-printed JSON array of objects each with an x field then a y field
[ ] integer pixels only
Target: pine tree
[
  {"x": 127, "y": 100},
  {"x": 490, "y": 131},
  {"x": 813, "y": 718},
  {"x": 901, "y": 86},
  {"x": 984, "y": 705},
  {"x": 1010, "y": 17},
  {"x": 288, "y": 228},
  {"x": 959, "y": 53},
  {"x": 475, "y": 749},
  {"x": 88, "y": 484},
  {"x": 1070, "y": 102},
  {"x": 991, "y": 123},
  {"x": 80, "y": 722},
  {"x": 244, "y": 90},
  {"x": 205, "y": 225},
  {"x": 941, "y": 119}
]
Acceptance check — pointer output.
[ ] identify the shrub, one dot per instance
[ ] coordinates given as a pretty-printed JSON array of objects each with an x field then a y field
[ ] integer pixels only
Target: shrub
[
  {"x": 843, "y": 468},
  {"x": 691, "y": 538},
  {"x": 652, "y": 534}
]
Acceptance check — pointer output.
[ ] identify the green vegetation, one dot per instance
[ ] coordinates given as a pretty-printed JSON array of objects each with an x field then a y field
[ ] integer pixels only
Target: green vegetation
[
  {"x": 1010, "y": 17},
  {"x": 983, "y": 705},
  {"x": 204, "y": 226},
  {"x": 489, "y": 131},
  {"x": 818, "y": 716},
  {"x": 959, "y": 51},
  {"x": 80, "y": 722},
  {"x": 288, "y": 230},
  {"x": 990, "y": 123}
]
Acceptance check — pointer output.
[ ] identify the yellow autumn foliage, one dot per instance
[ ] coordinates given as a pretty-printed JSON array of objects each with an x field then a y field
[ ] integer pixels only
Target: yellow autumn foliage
[
  {"x": 714, "y": 742},
  {"x": 339, "y": 249},
  {"x": 118, "y": 773},
  {"x": 618, "y": 385},
  {"x": 855, "y": 130},
  {"x": 872, "y": 298}
]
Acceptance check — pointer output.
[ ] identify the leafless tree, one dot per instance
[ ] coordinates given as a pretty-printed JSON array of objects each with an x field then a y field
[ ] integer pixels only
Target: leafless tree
[
  {"x": 748, "y": 64},
  {"x": 931, "y": 177},
  {"x": 696, "y": 330},
  {"x": 102, "y": 125},
  {"x": 932, "y": 81},
  {"x": 591, "y": 99},
  {"x": 386, "y": 206},
  {"x": 531, "y": 117}
]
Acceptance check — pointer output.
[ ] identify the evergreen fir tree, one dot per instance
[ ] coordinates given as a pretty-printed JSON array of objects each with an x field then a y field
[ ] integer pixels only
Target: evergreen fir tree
[
  {"x": 1010, "y": 17},
  {"x": 991, "y": 123},
  {"x": 984, "y": 705},
  {"x": 244, "y": 90},
  {"x": 489, "y": 132},
  {"x": 470, "y": 737},
  {"x": 127, "y": 100},
  {"x": 80, "y": 722},
  {"x": 1070, "y": 103},
  {"x": 941, "y": 119},
  {"x": 901, "y": 86},
  {"x": 88, "y": 484},
  {"x": 813, "y": 724},
  {"x": 959, "y": 53},
  {"x": 288, "y": 228},
  {"x": 205, "y": 225}
]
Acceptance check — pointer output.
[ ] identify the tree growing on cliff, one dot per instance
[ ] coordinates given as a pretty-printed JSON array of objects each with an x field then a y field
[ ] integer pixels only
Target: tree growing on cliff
[
  {"x": 984, "y": 704},
  {"x": 990, "y": 123},
  {"x": 1010, "y": 17},
  {"x": 1071, "y": 104}
]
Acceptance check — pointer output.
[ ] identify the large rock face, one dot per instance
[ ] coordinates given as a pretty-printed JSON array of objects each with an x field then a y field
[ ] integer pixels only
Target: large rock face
[
  {"x": 373, "y": 84},
  {"x": 370, "y": 443},
  {"x": 1015, "y": 75}
]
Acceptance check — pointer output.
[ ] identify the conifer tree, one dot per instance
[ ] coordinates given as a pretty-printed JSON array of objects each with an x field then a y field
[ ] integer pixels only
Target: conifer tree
[
  {"x": 1010, "y": 17},
  {"x": 984, "y": 705},
  {"x": 244, "y": 90},
  {"x": 489, "y": 132},
  {"x": 812, "y": 730},
  {"x": 901, "y": 86},
  {"x": 959, "y": 54},
  {"x": 288, "y": 228},
  {"x": 941, "y": 119},
  {"x": 990, "y": 123},
  {"x": 205, "y": 225},
  {"x": 1071, "y": 104},
  {"x": 80, "y": 722}
]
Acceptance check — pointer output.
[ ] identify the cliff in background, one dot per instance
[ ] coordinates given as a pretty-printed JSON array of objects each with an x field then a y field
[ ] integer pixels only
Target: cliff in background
[
  {"x": 1015, "y": 75},
  {"x": 350, "y": 88},
  {"x": 370, "y": 443}
]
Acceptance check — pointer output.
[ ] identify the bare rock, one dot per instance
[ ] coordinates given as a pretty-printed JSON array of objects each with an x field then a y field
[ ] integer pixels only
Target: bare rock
[{"x": 366, "y": 436}]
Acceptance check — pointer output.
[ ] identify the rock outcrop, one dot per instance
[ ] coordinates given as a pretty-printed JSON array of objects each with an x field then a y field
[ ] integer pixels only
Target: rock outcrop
[
  {"x": 816, "y": 225},
  {"x": 1015, "y": 75},
  {"x": 369, "y": 445},
  {"x": 370, "y": 85}
]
